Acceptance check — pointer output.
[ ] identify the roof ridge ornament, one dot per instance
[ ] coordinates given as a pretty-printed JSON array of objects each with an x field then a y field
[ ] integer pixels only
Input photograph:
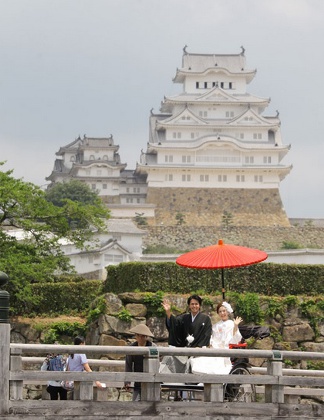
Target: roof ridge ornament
[
  {"x": 185, "y": 49},
  {"x": 243, "y": 50}
]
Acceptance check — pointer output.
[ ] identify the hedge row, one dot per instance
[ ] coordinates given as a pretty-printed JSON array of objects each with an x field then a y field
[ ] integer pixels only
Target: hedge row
[
  {"x": 265, "y": 278},
  {"x": 59, "y": 297}
]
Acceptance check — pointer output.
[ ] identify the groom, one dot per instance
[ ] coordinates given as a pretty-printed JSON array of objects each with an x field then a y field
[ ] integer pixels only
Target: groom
[{"x": 192, "y": 329}]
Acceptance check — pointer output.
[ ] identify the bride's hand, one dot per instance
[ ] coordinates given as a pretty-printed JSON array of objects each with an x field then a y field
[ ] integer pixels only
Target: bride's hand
[{"x": 238, "y": 320}]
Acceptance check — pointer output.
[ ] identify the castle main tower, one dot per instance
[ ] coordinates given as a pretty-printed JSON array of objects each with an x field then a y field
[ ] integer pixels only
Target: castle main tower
[{"x": 212, "y": 150}]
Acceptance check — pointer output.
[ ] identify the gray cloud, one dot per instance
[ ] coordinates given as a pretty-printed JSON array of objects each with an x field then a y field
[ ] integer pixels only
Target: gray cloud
[{"x": 97, "y": 67}]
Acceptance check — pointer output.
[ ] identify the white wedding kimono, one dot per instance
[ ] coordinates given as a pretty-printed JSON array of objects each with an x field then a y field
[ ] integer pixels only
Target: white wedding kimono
[{"x": 222, "y": 336}]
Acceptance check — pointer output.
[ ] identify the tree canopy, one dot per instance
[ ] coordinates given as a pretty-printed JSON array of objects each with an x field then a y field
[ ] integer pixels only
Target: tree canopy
[{"x": 37, "y": 256}]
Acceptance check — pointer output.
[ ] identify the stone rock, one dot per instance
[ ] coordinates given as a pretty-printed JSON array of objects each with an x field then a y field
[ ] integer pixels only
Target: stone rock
[
  {"x": 136, "y": 309},
  {"x": 311, "y": 346},
  {"x": 321, "y": 328},
  {"x": 285, "y": 346},
  {"x": 274, "y": 323},
  {"x": 131, "y": 297},
  {"x": 16, "y": 337},
  {"x": 113, "y": 304},
  {"x": 178, "y": 303},
  {"x": 112, "y": 325},
  {"x": 158, "y": 326},
  {"x": 299, "y": 333},
  {"x": 93, "y": 335},
  {"x": 108, "y": 340},
  {"x": 27, "y": 331}
]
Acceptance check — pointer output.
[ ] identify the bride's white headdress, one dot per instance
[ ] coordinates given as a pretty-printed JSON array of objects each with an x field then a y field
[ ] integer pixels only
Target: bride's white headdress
[{"x": 228, "y": 307}]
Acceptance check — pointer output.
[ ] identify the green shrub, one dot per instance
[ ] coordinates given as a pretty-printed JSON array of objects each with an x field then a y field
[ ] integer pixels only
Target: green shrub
[
  {"x": 290, "y": 245},
  {"x": 124, "y": 315},
  {"x": 61, "y": 331},
  {"x": 61, "y": 297},
  {"x": 248, "y": 307}
]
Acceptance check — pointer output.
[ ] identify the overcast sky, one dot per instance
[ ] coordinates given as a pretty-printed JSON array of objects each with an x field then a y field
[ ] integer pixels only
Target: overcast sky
[{"x": 97, "y": 67}]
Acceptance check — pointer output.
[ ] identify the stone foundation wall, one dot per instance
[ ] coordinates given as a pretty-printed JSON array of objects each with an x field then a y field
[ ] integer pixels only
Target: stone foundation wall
[
  {"x": 293, "y": 330},
  {"x": 185, "y": 238},
  {"x": 205, "y": 207}
]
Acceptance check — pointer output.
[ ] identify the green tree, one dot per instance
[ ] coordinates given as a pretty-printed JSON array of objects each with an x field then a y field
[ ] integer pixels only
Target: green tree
[
  {"x": 37, "y": 255},
  {"x": 73, "y": 190},
  {"x": 140, "y": 220},
  {"x": 63, "y": 194}
]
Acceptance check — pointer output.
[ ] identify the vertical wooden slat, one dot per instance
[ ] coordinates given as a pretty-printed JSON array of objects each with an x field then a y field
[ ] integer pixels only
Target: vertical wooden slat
[
  {"x": 16, "y": 387},
  {"x": 4, "y": 367},
  {"x": 151, "y": 391},
  {"x": 86, "y": 390},
  {"x": 275, "y": 393},
  {"x": 214, "y": 392}
]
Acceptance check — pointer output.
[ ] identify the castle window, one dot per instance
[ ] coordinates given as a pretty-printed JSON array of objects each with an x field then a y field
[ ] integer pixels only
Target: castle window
[
  {"x": 93, "y": 186},
  {"x": 222, "y": 178},
  {"x": 203, "y": 114},
  {"x": 113, "y": 258},
  {"x": 169, "y": 177},
  {"x": 192, "y": 135},
  {"x": 241, "y": 136},
  {"x": 99, "y": 172},
  {"x": 88, "y": 172},
  {"x": 138, "y": 200},
  {"x": 240, "y": 178},
  {"x": 230, "y": 85},
  {"x": 222, "y": 85},
  {"x": 92, "y": 157},
  {"x": 186, "y": 178},
  {"x": 249, "y": 159},
  {"x": 204, "y": 178},
  {"x": 197, "y": 85},
  {"x": 258, "y": 178},
  {"x": 72, "y": 159},
  {"x": 105, "y": 157},
  {"x": 168, "y": 158},
  {"x": 266, "y": 159},
  {"x": 127, "y": 189},
  {"x": 186, "y": 159},
  {"x": 104, "y": 186}
]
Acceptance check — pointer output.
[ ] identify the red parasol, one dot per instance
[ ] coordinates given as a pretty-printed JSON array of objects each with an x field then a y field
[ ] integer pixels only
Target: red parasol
[{"x": 221, "y": 256}]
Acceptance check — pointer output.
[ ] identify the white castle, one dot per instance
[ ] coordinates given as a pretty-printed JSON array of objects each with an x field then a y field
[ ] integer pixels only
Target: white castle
[{"x": 210, "y": 150}]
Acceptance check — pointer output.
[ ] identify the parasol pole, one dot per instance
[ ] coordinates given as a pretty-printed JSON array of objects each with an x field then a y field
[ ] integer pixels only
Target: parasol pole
[{"x": 223, "y": 285}]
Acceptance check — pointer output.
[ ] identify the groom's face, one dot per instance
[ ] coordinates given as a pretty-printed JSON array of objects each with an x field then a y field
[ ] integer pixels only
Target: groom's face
[{"x": 194, "y": 306}]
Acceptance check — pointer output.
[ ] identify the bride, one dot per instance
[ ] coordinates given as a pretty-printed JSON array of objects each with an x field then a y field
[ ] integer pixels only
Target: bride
[{"x": 224, "y": 333}]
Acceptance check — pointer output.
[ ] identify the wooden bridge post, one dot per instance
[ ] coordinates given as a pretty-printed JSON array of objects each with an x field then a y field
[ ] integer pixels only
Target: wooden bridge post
[
  {"x": 151, "y": 391},
  {"x": 214, "y": 392},
  {"x": 4, "y": 367},
  {"x": 275, "y": 393},
  {"x": 16, "y": 387}
]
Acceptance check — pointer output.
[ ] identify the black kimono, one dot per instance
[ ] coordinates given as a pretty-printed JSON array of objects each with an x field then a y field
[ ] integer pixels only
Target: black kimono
[{"x": 181, "y": 327}]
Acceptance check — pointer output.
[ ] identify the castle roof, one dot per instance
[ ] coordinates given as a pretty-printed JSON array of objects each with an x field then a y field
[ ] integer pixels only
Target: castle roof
[{"x": 202, "y": 63}]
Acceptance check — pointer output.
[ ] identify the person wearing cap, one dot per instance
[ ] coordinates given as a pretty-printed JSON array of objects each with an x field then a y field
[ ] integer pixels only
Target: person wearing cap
[
  {"x": 192, "y": 329},
  {"x": 134, "y": 363}
]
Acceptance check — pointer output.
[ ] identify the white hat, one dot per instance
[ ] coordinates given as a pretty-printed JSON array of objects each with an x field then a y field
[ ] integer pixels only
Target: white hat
[{"x": 141, "y": 329}]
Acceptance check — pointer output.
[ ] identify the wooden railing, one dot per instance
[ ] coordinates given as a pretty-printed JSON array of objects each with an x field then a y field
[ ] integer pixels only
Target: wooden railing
[{"x": 274, "y": 380}]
